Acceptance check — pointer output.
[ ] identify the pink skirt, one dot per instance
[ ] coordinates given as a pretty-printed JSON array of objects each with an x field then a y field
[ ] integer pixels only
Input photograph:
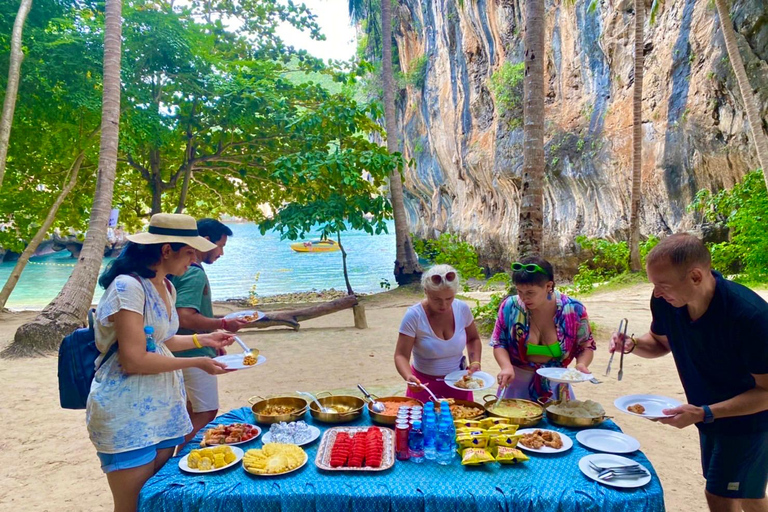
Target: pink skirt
[{"x": 439, "y": 388}]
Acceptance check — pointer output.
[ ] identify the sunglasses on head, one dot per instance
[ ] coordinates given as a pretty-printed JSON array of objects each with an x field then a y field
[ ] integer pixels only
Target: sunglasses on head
[
  {"x": 531, "y": 268},
  {"x": 438, "y": 279}
]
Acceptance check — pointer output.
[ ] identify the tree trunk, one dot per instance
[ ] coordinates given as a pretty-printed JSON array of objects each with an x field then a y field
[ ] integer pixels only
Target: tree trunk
[
  {"x": 157, "y": 181},
  {"x": 30, "y": 249},
  {"x": 407, "y": 269},
  {"x": 344, "y": 265},
  {"x": 531, "y": 201},
  {"x": 292, "y": 317},
  {"x": 184, "y": 190},
  {"x": 68, "y": 310},
  {"x": 637, "y": 140},
  {"x": 747, "y": 95},
  {"x": 14, "y": 73}
]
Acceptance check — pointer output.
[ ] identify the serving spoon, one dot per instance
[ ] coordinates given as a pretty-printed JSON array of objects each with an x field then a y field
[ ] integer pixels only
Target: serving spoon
[
  {"x": 320, "y": 408},
  {"x": 377, "y": 406},
  {"x": 246, "y": 349}
]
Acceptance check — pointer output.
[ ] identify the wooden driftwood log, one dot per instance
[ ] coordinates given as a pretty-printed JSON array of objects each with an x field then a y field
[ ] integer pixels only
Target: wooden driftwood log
[{"x": 292, "y": 317}]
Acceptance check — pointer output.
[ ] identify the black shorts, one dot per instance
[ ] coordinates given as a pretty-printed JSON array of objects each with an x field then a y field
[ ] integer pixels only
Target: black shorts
[{"x": 735, "y": 466}]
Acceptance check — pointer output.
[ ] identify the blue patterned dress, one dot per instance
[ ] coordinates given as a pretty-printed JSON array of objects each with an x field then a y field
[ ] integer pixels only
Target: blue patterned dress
[{"x": 128, "y": 412}]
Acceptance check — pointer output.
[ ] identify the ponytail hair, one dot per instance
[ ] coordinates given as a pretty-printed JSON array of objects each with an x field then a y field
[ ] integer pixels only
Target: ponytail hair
[{"x": 135, "y": 259}]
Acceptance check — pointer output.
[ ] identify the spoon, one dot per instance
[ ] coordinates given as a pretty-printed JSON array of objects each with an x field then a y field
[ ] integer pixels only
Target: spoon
[
  {"x": 501, "y": 395},
  {"x": 377, "y": 407},
  {"x": 246, "y": 349},
  {"x": 320, "y": 408},
  {"x": 425, "y": 388}
]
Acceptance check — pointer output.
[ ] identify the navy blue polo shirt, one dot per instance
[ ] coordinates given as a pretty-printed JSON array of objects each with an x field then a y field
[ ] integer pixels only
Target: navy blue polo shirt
[{"x": 717, "y": 354}]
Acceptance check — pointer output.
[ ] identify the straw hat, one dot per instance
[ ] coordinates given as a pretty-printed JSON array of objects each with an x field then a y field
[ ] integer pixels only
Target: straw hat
[{"x": 169, "y": 228}]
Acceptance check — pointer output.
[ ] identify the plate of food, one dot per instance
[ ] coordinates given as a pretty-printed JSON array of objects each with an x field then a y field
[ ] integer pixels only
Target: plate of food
[
  {"x": 295, "y": 432},
  {"x": 461, "y": 380},
  {"x": 590, "y": 465},
  {"x": 233, "y": 434},
  {"x": 274, "y": 459},
  {"x": 646, "y": 406},
  {"x": 209, "y": 460},
  {"x": 240, "y": 361},
  {"x": 246, "y": 316},
  {"x": 542, "y": 440},
  {"x": 356, "y": 449},
  {"x": 564, "y": 375},
  {"x": 608, "y": 441}
]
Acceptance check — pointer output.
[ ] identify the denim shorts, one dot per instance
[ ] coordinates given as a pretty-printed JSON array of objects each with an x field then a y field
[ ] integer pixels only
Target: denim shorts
[
  {"x": 134, "y": 458},
  {"x": 735, "y": 466}
]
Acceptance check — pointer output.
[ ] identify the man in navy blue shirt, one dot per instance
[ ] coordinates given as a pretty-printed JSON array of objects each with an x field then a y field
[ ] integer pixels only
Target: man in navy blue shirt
[{"x": 717, "y": 331}]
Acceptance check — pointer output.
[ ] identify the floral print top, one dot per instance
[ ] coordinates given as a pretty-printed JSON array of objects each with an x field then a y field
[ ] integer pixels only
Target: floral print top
[
  {"x": 513, "y": 328},
  {"x": 128, "y": 412}
]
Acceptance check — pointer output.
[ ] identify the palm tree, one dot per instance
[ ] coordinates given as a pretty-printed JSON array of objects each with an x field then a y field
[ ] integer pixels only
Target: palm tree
[
  {"x": 747, "y": 95},
  {"x": 531, "y": 204},
  {"x": 635, "y": 264},
  {"x": 407, "y": 268},
  {"x": 14, "y": 72},
  {"x": 68, "y": 310}
]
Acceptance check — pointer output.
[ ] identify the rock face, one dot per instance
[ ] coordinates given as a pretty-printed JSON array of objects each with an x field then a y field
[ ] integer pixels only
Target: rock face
[{"x": 468, "y": 152}]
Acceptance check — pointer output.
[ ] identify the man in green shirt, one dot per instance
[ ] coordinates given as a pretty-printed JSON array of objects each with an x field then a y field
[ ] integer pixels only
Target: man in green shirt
[{"x": 195, "y": 309}]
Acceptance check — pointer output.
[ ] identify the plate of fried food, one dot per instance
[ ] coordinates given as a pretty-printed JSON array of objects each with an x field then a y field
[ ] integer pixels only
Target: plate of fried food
[
  {"x": 246, "y": 316},
  {"x": 236, "y": 433},
  {"x": 241, "y": 361},
  {"x": 208, "y": 460},
  {"x": 274, "y": 459},
  {"x": 646, "y": 406},
  {"x": 463, "y": 381},
  {"x": 542, "y": 440}
]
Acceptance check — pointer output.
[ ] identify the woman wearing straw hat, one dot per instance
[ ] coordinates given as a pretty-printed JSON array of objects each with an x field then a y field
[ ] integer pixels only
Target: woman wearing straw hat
[{"x": 136, "y": 412}]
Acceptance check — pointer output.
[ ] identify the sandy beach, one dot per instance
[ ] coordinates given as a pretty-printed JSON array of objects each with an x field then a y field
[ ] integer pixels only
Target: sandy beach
[{"x": 50, "y": 464}]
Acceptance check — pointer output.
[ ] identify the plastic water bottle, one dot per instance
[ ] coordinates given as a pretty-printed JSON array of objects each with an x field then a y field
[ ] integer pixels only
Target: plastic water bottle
[
  {"x": 430, "y": 436},
  {"x": 149, "y": 332},
  {"x": 445, "y": 442},
  {"x": 445, "y": 410},
  {"x": 416, "y": 442}
]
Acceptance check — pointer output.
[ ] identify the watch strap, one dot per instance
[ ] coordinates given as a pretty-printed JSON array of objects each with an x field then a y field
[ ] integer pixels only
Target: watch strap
[{"x": 708, "y": 416}]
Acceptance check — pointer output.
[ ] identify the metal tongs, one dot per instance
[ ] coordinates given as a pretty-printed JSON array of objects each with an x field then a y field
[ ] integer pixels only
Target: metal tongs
[{"x": 622, "y": 331}]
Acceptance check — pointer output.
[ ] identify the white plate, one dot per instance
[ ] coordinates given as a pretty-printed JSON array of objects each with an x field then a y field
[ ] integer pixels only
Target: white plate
[
  {"x": 235, "y": 361},
  {"x": 567, "y": 442},
  {"x": 555, "y": 375},
  {"x": 605, "y": 460},
  {"x": 653, "y": 404},
  {"x": 306, "y": 458},
  {"x": 267, "y": 437},
  {"x": 487, "y": 379},
  {"x": 258, "y": 433},
  {"x": 608, "y": 441},
  {"x": 183, "y": 462},
  {"x": 249, "y": 312}
]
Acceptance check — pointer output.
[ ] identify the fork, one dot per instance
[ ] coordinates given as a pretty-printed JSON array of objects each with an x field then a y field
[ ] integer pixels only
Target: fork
[
  {"x": 593, "y": 380},
  {"x": 613, "y": 468},
  {"x": 608, "y": 475}
]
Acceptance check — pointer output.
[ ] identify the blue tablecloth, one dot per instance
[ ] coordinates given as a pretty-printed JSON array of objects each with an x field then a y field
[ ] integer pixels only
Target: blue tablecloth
[{"x": 545, "y": 483}]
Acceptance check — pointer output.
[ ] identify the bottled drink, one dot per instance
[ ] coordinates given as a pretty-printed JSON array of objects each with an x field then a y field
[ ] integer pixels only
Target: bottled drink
[
  {"x": 416, "y": 442},
  {"x": 445, "y": 409},
  {"x": 430, "y": 436},
  {"x": 401, "y": 441},
  {"x": 445, "y": 442},
  {"x": 149, "y": 332}
]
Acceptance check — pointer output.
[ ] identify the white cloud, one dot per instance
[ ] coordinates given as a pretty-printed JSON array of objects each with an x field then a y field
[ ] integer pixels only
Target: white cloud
[{"x": 333, "y": 18}]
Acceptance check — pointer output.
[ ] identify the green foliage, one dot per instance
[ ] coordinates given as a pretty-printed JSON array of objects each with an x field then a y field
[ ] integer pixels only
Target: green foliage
[
  {"x": 744, "y": 210},
  {"x": 608, "y": 260},
  {"x": 507, "y": 88},
  {"x": 450, "y": 250},
  {"x": 486, "y": 314},
  {"x": 417, "y": 74},
  {"x": 496, "y": 279}
]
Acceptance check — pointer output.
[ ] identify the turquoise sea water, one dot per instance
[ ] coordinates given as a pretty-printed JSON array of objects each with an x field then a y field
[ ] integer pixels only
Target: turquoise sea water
[{"x": 281, "y": 270}]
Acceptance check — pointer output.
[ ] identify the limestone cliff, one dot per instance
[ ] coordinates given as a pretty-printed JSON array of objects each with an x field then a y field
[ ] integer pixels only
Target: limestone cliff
[{"x": 468, "y": 152}]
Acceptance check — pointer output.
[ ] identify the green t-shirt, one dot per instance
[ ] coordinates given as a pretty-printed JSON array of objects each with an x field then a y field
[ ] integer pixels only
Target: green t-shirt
[{"x": 194, "y": 291}]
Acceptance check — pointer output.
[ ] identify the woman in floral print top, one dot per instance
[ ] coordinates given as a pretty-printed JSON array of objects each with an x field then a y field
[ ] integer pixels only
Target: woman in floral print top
[{"x": 538, "y": 328}]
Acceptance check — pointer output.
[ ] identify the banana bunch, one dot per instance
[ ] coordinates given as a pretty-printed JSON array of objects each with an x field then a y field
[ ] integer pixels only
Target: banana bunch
[{"x": 274, "y": 458}]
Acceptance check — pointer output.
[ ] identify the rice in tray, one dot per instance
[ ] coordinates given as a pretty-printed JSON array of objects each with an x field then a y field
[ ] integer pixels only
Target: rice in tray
[{"x": 578, "y": 409}]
